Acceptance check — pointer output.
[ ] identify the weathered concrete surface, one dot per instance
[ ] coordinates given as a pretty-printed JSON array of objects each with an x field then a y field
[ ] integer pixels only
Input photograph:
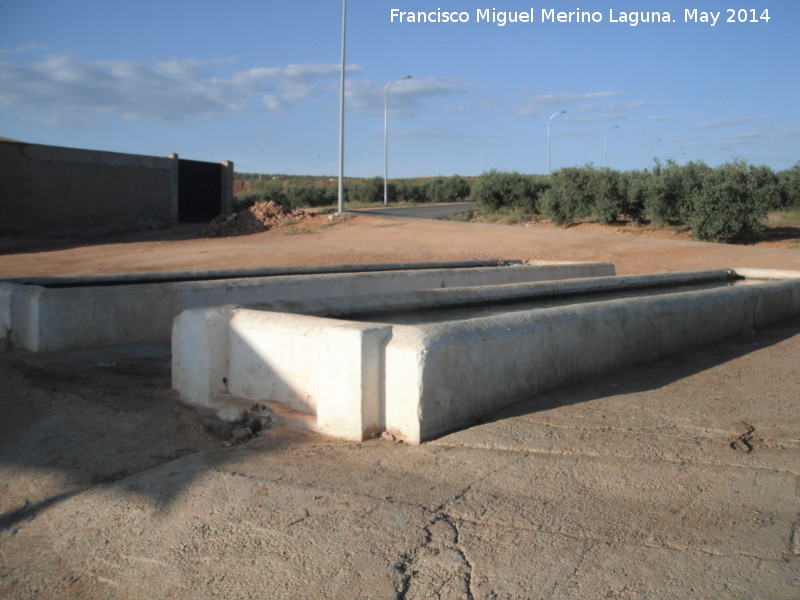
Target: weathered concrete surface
[
  {"x": 421, "y": 380},
  {"x": 674, "y": 479},
  {"x": 41, "y": 318}
]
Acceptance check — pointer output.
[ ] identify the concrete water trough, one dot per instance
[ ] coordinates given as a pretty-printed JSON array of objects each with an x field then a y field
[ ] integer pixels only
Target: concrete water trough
[
  {"x": 421, "y": 363},
  {"x": 54, "y": 313}
]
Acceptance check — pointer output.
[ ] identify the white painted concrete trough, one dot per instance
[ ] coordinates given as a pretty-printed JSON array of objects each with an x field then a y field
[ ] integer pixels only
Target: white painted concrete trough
[
  {"x": 39, "y": 314},
  {"x": 419, "y": 364}
]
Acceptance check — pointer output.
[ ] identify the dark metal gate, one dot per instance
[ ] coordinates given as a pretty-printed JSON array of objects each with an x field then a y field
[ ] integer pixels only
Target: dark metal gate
[{"x": 199, "y": 191}]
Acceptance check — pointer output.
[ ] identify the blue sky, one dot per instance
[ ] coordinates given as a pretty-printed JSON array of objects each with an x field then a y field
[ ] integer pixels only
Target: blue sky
[{"x": 257, "y": 82}]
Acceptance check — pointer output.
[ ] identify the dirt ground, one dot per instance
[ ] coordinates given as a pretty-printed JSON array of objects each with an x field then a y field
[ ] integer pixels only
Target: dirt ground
[
  {"x": 364, "y": 239},
  {"x": 677, "y": 478}
]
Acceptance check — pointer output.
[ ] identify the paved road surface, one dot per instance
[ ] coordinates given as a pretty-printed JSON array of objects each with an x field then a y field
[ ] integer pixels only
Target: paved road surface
[{"x": 432, "y": 211}]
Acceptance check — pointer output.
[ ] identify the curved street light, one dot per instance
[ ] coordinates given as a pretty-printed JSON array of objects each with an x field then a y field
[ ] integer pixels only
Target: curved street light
[
  {"x": 386, "y": 138},
  {"x": 605, "y": 143},
  {"x": 548, "y": 137}
]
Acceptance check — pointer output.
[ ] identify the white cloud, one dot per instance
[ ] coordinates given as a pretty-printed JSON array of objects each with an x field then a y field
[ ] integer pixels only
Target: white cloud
[
  {"x": 675, "y": 117},
  {"x": 439, "y": 134},
  {"x": 629, "y": 106},
  {"x": 768, "y": 136},
  {"x": 534, "y": 105},
  {"x": 725, "y": 122},
  {"x": 21, "y": 49},
  {"x": 595, "y": 113},
  {"x": 72, "y": 90},
  {"x": 405, "y": 97}
]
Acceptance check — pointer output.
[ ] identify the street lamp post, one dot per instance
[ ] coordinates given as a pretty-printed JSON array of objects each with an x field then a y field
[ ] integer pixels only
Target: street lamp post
[
  {"x": 548, "y": 137},
  {"x": 386, "y": 138},
  {"x": 605, "y": 143},
  {"x": 340, "y": 207}
]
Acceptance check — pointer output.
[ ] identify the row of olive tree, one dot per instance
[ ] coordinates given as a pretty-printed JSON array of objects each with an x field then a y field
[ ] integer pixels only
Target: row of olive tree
[
  {"x": 300, "y": 194},
  {"x": 294, "y": 195},
  {"x": 720, "y": 203},
  {"x": 431, "y": 190}
]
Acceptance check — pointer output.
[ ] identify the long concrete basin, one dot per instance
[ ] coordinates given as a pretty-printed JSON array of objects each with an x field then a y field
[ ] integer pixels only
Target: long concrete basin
[
  {"x": 359, "y": 367},
  {"x": 53, "y": 313}
]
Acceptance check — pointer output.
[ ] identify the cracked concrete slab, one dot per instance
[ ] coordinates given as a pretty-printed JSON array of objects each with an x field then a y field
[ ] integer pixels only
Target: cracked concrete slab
[{"x": 624, "y": 486}]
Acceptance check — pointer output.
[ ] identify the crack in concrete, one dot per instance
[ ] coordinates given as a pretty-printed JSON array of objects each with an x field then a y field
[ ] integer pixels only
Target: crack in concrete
[
  {"x": 681, "y": 461},
  {"x": 577, "y": 568},
  {"x": 249, "y": 477},
  {"x": 745, "y": 442},
  {"x": 434, "y": 544},
  {"x": 439, "y": 515},
  {"x": 594, "y": 541}
]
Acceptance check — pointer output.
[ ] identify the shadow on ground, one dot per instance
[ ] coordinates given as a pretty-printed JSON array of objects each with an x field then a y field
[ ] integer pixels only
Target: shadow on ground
[
  {"x": 78, "y": 419},
  {"x": 20, "y": 244}
]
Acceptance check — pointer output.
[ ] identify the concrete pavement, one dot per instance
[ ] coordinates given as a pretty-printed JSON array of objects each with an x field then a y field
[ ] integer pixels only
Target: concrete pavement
[{"x": 673, "y": 479}]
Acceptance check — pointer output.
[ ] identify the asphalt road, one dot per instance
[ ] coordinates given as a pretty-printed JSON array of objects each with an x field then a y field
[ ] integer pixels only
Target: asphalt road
[{"x": 431, "y": 211}]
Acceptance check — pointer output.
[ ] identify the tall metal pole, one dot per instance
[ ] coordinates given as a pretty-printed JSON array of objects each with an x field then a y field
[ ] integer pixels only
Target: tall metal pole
[
  {"x": 341, "y": 115},
  {"x": 605, "y": 143},
  {"x": 548, "y": 137},
  {"x": 386, "y": 138}
]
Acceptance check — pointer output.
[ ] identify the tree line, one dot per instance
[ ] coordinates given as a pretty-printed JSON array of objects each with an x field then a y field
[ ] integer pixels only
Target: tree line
[
  {"x": 304, "y": 192},
  {"x": 720, "y": 203}
]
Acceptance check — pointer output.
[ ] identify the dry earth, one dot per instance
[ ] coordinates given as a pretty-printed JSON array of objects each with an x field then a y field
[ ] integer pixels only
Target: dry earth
[
  {"x": 363, "y": 239},
  {"x": 673, "y": 479}
]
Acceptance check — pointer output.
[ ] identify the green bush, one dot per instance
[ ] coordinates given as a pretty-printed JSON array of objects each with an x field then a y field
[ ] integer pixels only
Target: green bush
[
  {"x": 305, "y": 196},
  {"x": 789, "y": 186},
  {"x": 269, "y": 191},
  {"x": 764, "y": 186},
  {"x": 610, "y": 200},
  {"x": 367, "y": 191},
  {"x": 448, "y": 189},
  {"x": 412, "y": 192},
  {"x": 571, "y": 195},
  {"x": 672, "y": 188},
  {"x": 729, "y": 204},
  {"x": 720, "y": 203},
  {"x": 497, "y": 189},
  {"x": 634, "y": 188}
]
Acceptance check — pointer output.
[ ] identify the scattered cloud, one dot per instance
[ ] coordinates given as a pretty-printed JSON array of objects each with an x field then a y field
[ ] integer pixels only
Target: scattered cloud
[
  {"x": 692, "y": 138},
  {"x": 455, "y": 108},
  {"x": 676, "y": 117},
  {"x": 726, "y": 122},
  {"x": 405, "y": 97},
  {"x": 440, "y": 134},
  {"x": 628, "y": 106},
  {"x": 297, "y": 83},
  {"x": 483, "y": 105},
  {"x": 21, "y": 49},
  {"x": 596, "y": 113},
  {"x": 73, "y": 90},
  {"x": 531, "y": 104},
  {"x": 770, "y": 136}
]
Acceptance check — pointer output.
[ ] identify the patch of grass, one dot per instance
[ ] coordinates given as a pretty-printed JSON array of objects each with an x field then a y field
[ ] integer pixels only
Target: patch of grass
[
  {"x": 507, "y": 216},
  {"x": 332, "y": 222},
  {"x": 465, "y": 217},
  {"x": 301, "y": 231},
  {"x": 784, "y": 218}
]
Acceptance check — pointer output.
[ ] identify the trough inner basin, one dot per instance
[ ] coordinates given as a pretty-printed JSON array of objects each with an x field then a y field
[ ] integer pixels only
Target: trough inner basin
[
  {"x": 419, "y": 364},
  {"x": 41, "y": 314},
  {"x": 446, "y": 314}
]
